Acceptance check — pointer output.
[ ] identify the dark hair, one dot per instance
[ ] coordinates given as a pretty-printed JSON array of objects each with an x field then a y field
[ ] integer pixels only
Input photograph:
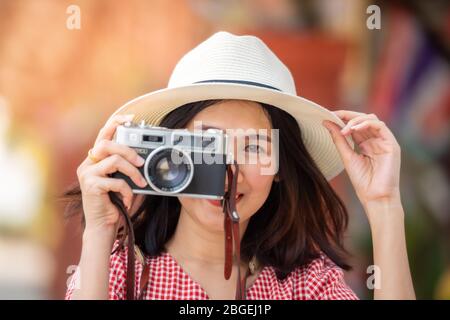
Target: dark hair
[{"x": 301, "y": 217}]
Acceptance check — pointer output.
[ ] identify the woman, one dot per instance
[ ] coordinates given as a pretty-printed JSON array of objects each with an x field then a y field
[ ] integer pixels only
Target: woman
[{"x": 291, "y": 221}]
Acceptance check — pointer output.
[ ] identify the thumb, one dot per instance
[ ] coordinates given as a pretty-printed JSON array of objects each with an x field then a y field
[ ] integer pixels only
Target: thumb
[{"x": 343, "y": 147}]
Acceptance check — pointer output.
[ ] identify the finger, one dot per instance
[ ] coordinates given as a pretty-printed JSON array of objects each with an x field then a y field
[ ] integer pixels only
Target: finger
[
  {"x": 357, "y": 120},
  {"x": 116, "y": 163},
  {"x": 107, "y": 132},
  {"x": 372, "y": 147},
  {"x": 359, "y": 136},
  {"x": 347, "y": 115},
  {"x": 377, "y": 128},
  {"x": 106, "y": 148},
  {"x": 342, "y": 145},
  {"x": 104, "y": 184}
]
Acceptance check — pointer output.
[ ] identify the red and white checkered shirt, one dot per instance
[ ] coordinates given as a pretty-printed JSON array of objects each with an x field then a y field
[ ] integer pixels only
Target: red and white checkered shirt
[{"x": 321, "y": 280}]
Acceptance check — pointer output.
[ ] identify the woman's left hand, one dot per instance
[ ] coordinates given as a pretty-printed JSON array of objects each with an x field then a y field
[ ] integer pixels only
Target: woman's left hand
[
  {"x": 375, "y": 170},
  {"x": 375, "y": 173}
]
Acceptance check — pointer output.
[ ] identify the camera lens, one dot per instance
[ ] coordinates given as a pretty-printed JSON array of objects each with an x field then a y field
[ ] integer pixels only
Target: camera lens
[{"x": 169, "y": 170}]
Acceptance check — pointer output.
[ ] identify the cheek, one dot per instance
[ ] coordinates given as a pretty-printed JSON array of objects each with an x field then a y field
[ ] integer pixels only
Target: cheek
[
  {"x": 260, "y": 186},
  {"x": 259, "y": 183}
]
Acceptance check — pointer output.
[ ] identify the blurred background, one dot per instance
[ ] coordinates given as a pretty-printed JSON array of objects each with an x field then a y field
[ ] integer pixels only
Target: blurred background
[{"x": 65, "y": 66}]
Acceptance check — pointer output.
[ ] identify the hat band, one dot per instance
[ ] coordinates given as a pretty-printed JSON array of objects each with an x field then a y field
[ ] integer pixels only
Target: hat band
[{"x": 240, "y": 82}]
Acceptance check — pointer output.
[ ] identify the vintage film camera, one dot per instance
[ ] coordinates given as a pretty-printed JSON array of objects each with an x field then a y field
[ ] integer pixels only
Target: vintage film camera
[{"x": 178, "y": 162}]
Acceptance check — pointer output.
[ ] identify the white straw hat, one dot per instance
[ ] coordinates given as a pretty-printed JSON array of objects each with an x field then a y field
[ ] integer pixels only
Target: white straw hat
[{"x": 227, "y": 66}]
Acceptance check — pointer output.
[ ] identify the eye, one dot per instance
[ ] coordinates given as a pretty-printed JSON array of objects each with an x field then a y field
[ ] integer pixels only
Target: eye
[{"x": 254, "y": 148}]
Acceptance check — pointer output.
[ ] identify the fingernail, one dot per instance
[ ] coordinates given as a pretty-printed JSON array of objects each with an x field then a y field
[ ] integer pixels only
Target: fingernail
[
  {"x": 143, "y": 182},
  {"x": 324, "y": 123},
  {"x": 139, "y": 161},
  {"x": 128, "y": 117}
]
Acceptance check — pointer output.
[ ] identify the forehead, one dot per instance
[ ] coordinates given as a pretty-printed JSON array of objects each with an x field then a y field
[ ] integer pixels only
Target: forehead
[{"x": 233, "y": 114}]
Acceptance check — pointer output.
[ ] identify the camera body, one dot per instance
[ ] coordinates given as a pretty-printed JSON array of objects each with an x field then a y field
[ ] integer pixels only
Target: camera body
[{"x": 178, "y": 162}]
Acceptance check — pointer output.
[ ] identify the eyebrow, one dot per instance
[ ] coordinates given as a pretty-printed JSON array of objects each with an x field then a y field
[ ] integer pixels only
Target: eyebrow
[
  {"x": 203, "y": 127},
  {"x": 258, "y": 136}
]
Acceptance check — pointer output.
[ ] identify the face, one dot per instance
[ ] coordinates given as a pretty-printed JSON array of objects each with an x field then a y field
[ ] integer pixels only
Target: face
[{"x": 251, "y": 183}]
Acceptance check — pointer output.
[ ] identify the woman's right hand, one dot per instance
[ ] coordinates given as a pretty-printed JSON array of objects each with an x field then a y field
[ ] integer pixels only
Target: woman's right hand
[{"x": 106, "y": 158}]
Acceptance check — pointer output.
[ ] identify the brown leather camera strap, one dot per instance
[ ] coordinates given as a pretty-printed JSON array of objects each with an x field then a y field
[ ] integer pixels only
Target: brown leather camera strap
[
  {"x": 129, "y": 236},
  {"x": 231, "y": 227}
]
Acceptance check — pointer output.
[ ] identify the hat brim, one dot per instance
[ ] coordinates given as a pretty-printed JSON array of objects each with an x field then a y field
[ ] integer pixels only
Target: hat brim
[{"x": 154, "y": 106}]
